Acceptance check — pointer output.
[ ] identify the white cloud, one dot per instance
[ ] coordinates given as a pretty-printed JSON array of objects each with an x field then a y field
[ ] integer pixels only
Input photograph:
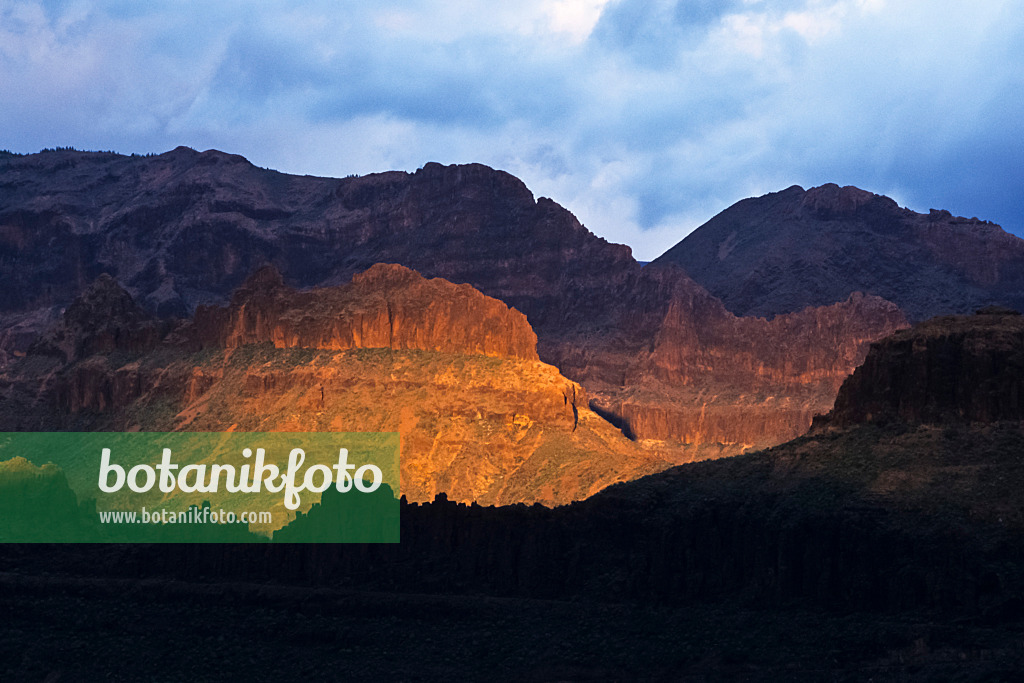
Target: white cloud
[{"x": 576, "y": 18}]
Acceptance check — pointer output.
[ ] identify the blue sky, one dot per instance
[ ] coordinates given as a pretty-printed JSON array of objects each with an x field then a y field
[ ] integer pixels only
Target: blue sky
[{"x": 643, "y": 117}]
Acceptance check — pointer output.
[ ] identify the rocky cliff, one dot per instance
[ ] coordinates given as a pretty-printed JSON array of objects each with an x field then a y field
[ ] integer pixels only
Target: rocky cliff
[
  {"x": 787, "y": 250},
  {"x": 387, "y": 306},
  {"x": 683, "y": 369},
  {"x": 889, "y": 546},
  {"x": 877, "y": 516},
  {"x": 948, "y": 370},
  {"x": 455, "y": 373}
]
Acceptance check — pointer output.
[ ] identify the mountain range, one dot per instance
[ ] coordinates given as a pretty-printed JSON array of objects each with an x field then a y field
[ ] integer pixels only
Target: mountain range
[
  {"x": 867, "y": 525},
  {"x": 884, "y": 542},
  {"x": 660, "y": 356},
  {"x": 676, "y": 353}
]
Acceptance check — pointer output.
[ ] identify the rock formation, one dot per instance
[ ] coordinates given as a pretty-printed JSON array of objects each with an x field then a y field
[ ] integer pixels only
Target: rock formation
[
  {"x": 787, "y": 250},
  {"x": 882, "y": 545},
  {"x": 656, "y": 352},
  {"x": 104, "y": 318},
  {"x": 683, "y": 369},
  {"x": 876, "y": 517},
  {"x": 387, "y": 306},
  {"x": 454, "y": 372},
  {"x": 948, "y": 370}
]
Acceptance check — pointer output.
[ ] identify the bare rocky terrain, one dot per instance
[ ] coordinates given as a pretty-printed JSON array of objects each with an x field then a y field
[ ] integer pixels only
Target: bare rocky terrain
[
  {"x": 886, "y": 543},
  {"x": 454, "y": 372},
  {"x": 657, "y": 354},
  {"x": 886, "y": 547},
  {"x": 788, "y": 250}
]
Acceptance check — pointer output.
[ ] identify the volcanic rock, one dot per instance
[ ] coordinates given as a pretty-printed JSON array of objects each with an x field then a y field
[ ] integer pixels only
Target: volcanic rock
[
  {"x": 104, "y": 318},
  {"x": 454, "y": 372},
  {"x": 787, "y": 250},
  {"x": 387, "y": 306},
  {"x": 948, "y": 370},
  {"x": 183, "y": 229}
]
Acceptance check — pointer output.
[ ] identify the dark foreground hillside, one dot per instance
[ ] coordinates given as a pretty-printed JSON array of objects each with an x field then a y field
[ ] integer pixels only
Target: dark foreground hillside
[
  {"x": 886, "y": 546},
  {"x": 892, "y": 553}
]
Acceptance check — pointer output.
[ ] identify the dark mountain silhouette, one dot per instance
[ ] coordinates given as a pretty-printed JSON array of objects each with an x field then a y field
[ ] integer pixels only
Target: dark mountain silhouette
[
  {"x": 949, "y": 370},
  {"x": 795, "y": 248},
  {"x": 185, "y": 228}
]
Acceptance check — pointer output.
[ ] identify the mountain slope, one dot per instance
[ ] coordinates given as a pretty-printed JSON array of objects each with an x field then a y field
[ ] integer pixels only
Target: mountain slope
[
  {"x": 455, "y": 373},
  {"x": 185, "y": 228},
  {"x": 787, "y": 250}
]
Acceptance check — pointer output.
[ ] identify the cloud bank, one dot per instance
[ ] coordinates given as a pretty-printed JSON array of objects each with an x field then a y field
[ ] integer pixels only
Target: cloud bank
[{"x": 643, "y": 117}]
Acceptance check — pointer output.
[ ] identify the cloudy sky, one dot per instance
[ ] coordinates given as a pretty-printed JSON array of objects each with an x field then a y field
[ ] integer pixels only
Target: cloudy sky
[{"x": 643, "y": 117}]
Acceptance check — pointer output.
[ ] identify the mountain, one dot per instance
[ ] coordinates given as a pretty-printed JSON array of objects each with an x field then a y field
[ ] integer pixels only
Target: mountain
[
  {"x": 454, "y": 372},
  {"x": 658, "y": 354},
  {"x": 184, "y": 228},
  {"x": 919, "y": 511},
  {"x": 684, "y": 370},
  {"x": 787, "y": 250}
]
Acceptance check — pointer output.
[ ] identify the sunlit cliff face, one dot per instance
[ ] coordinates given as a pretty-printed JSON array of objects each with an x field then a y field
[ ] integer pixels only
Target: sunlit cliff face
[{"x": 452, "y": 371}]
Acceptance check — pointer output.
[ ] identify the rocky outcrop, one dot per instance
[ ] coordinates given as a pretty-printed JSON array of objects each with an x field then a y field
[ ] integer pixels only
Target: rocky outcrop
[
  {"x": 454, "y": 372},
  {"x": 387, "y": 306},
  {"x": 948, "y": 370},
  {"x": 104, "y": 318},
  {"x": 685, "y": 370},
  {"x": 787, "y": 250}
]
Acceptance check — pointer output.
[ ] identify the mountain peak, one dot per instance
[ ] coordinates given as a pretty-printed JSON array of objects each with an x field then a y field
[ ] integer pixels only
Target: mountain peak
[
  {"x": 784, "y": 251},
  {"x": 833, "y": 199}
]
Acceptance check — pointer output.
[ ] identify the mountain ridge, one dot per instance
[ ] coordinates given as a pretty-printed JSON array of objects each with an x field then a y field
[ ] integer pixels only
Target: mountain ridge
[
  {"x": 454, "y": 372},
  {"x": 786, "y": 250}
]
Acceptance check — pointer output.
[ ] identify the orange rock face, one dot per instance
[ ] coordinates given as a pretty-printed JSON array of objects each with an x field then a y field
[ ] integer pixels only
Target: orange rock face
[
  {"x": 455, "y": 373},
  {"x": 387, "y": 306}
]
